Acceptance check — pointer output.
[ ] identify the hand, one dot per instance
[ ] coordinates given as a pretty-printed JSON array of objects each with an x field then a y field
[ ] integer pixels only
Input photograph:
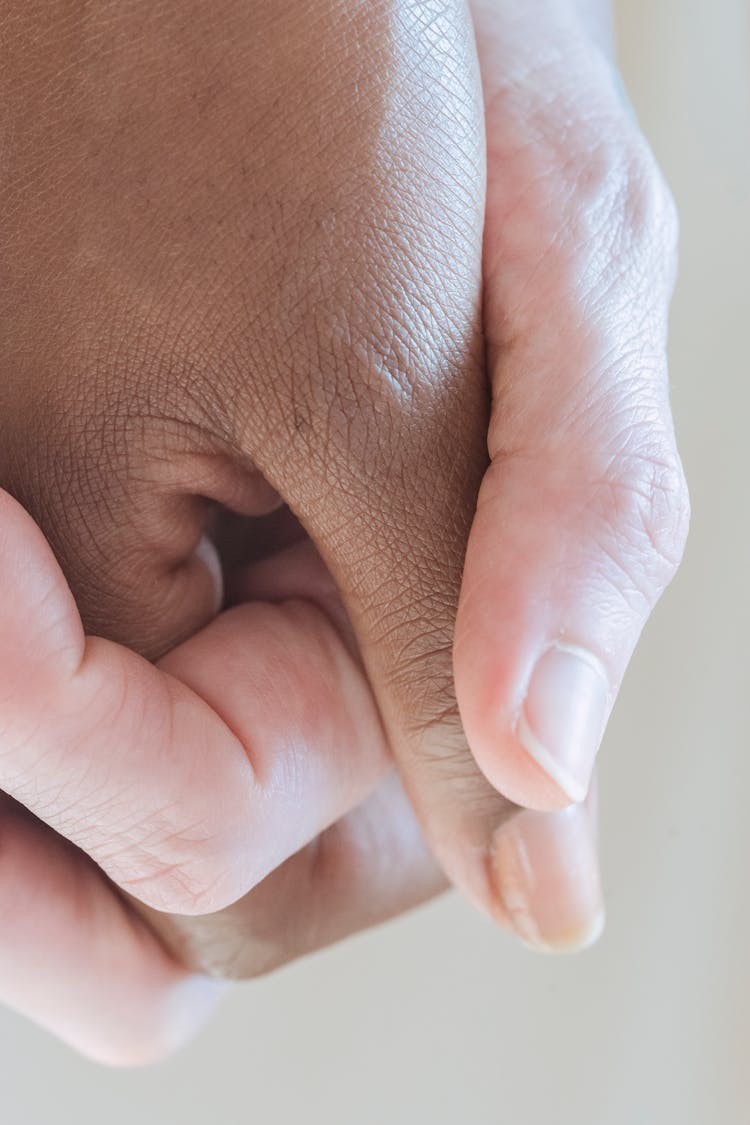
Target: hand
[
  {"x": 583, "y": 512},
  {"x": 164, "y": 774},
  {"x": 158, "y": 773},
  {"x": 178, "y": 408},
  {"x": 248, "y": 267}
]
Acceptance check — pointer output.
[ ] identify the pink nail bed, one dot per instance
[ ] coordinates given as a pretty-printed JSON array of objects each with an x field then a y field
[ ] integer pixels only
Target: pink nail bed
[{"x": 564, "y": 714}]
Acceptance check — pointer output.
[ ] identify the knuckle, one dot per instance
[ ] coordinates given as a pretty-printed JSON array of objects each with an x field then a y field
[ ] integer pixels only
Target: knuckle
[
  {"x": 179, "y": 871},
  {"x": 648, "y": 209},
  {"x": 618, "y": 235},
  {"x": 649, "y": 510}
]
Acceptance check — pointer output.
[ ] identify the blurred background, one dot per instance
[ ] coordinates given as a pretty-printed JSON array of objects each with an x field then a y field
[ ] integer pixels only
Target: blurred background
[{"x": 438, "y": 1018}]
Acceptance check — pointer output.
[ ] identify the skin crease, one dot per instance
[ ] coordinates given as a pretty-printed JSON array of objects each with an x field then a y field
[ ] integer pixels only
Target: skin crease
[
  {"x": 219, "y": 360},
  {"x": 585, "y": 478},
  {"x": 249, "y": 283},
  {"x": 258, "y": 296}
]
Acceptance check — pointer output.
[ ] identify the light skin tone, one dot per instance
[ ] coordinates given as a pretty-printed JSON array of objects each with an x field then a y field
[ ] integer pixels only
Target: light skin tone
[{"x": 230, "y": 286}]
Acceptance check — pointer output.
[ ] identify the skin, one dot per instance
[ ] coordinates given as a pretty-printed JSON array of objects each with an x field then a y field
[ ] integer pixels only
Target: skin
[{"x": 228, "y": 286}]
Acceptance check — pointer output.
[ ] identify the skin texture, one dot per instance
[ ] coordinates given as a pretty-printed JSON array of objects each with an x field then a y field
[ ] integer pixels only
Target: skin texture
[
  {"x": 229, "y": 286},
  {"x": 249, "y": 282},
  {"x": 585, "y": 480}
]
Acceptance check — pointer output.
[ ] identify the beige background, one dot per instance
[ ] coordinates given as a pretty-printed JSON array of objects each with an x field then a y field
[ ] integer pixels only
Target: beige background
[{"x": 438, "y": 1019}]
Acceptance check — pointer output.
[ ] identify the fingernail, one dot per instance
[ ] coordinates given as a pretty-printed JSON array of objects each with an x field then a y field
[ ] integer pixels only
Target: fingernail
[
  {"x": 547, "y": 876},
  {"x": 563, "y": 716}
]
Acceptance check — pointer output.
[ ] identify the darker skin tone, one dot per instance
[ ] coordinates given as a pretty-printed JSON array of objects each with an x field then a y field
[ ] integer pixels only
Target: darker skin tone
[{"x": 237, "y": 285}]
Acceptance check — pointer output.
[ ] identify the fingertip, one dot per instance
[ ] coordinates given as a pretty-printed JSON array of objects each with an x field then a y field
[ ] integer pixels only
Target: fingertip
[
  {"x": 561, "y": 720},
  {"x": 546, "y": 872},
  {"x": 501, "y": 717},
  {"x": 185, "y": 1009},
  {"x": 521, "y": 776},
  {"x": 540, "y": 754},
  {"x": 179, "y": 1013}
]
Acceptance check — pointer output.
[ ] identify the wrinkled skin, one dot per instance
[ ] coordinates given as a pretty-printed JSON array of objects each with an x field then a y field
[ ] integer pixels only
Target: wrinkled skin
[
  {"x": 222, "y": 237},
  {"x": 245, "y": 240},
  {"x": 242, "y": 266}
]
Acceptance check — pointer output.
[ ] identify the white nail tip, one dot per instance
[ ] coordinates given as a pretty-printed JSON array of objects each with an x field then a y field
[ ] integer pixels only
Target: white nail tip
[
  {"x": 541, "y": 755},
  {"x": 574, "y": 943},
  {"x": 563, "y": 715},
  {"x": 591, "y": 936}
]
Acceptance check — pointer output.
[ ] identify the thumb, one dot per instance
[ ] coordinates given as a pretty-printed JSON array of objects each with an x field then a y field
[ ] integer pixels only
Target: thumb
[{"x": 583, "y": 512}]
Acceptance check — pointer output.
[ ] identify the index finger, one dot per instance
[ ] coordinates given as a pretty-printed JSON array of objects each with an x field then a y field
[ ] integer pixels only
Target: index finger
[{"x": 188, "y": 783}]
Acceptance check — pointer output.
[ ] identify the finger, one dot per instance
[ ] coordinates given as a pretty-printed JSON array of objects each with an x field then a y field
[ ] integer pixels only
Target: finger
[
  {"x": 298, "y": 571},
  {"x": 339, "y": 316},
  {"x": 374, "y": 864},
  {"x": 64, "y": 928},
  {"x": 365, "y": 869},
  {"x": 546, "y": 866},
  {"x": 582, "y": 515},
  {"x": 94, "y": 969},
  {"x": 186, "y": 784},
  {"x": 76, "y": 960}
]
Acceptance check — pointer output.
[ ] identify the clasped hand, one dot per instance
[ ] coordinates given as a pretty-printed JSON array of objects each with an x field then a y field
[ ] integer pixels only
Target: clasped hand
[{"x": 343, "y": 481}]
